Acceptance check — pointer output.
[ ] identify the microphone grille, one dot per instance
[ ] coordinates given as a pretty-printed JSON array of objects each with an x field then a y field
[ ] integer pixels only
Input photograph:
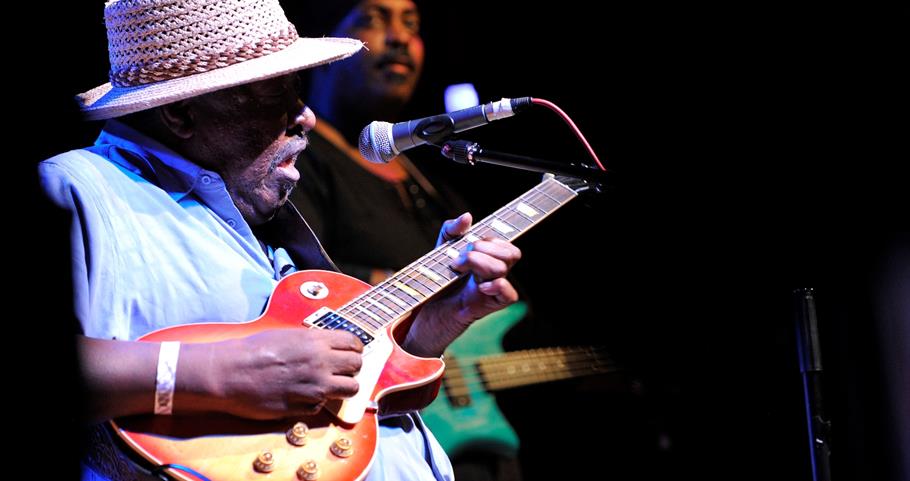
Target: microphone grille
[{"x": 376, "y": 142}]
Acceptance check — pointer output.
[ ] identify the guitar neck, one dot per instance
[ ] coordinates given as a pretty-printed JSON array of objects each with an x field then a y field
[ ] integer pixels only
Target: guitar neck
[
  {"x": 401, "y": 293},
  {"x": 534, "y": 366}
]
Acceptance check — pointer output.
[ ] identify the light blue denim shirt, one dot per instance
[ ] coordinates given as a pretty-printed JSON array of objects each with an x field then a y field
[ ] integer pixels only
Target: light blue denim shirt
[{"x": 157, "y": 241}]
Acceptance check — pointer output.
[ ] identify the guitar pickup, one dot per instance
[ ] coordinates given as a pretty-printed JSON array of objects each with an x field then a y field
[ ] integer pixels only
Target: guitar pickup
[{"x": 326, "y": 318}]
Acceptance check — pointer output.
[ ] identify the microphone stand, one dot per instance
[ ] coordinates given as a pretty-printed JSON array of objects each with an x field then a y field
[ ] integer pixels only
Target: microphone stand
[
  {"x": 810, "y": 365},
  {"x": 470, "y": 153}
]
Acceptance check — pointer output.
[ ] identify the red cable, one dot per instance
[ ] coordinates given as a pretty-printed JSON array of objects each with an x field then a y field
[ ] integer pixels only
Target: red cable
[{"x": 568, "y": 120}]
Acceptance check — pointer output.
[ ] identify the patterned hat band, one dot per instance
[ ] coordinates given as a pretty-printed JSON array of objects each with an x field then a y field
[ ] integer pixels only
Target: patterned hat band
[
  {"x": 174, "y": 67},
  {"x": 162, "y": 51}
]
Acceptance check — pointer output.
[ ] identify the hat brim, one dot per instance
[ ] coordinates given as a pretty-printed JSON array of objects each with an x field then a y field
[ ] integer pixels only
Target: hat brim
[{"x": 107, "y": 101}]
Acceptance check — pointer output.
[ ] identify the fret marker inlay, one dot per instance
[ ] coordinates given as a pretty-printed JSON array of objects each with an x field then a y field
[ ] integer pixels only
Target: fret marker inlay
[
  {"x": 367, "y": 312},
  {"x": 430, "y": 274},
  {"x": 380, "y": 306},
  {"x": 501, "y": 226},
  {"x": 409, "y": 290},
  {"x": 395, "y": 299},
  {"x": 526, "y": 209}
]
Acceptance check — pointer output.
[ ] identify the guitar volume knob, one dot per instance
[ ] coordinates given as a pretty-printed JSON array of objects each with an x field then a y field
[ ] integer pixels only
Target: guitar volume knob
[
  {"x": 342, "y": 447},
  {"x": 297, "y": 434},
  {"x": 308, "y": 471},
  {"x": 265, "y": 462}
]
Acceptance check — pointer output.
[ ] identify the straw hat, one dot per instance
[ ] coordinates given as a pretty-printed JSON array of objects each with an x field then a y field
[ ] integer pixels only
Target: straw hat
[{"x": 162, "y": 51}]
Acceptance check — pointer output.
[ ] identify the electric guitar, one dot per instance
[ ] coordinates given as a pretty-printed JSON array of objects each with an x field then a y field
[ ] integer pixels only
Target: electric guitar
[
  {"x": 339, "y": 443},
  {"x": 465, "y": 413}
]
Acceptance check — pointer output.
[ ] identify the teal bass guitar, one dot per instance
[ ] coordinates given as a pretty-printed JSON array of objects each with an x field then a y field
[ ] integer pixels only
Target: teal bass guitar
[{"x": 465, "y": 414}]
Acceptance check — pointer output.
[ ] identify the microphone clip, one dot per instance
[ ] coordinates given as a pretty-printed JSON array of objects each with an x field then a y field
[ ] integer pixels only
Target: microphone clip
[{"x": 435, "y": 129}]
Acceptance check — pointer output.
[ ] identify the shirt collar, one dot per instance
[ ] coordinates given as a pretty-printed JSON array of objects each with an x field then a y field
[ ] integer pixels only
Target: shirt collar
[
  {"x": 150, "y": 159},
  {"x": 178, "y": 176}
]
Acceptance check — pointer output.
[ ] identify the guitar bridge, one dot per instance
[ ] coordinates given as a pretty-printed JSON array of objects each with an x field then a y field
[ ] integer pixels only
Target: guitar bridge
[{"x": 326, "y": 318}]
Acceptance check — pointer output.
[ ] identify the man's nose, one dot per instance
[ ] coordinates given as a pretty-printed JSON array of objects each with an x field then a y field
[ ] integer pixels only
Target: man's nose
[
  {"x": 397, "y": 33},
  {"x": 304, "y": 120}
]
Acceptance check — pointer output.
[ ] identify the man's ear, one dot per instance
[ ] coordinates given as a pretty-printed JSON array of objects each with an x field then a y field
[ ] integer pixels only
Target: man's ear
[{"x": 179, "y": 118}]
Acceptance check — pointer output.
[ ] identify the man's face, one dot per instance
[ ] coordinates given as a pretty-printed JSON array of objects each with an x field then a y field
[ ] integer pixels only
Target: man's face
[
  {"x": 389, "y": 67},
  {"x": 251, "y": 135}
]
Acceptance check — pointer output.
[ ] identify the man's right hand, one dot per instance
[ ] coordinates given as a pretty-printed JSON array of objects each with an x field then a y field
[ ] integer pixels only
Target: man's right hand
[{"x": 284, "y": 372}]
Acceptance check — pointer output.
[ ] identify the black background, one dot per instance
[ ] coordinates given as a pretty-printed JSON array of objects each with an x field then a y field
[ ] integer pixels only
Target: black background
[{"x": 753, "y": 150}]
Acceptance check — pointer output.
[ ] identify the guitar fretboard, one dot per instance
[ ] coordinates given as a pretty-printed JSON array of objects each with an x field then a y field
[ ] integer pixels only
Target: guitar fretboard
[
  {"x": 401, "y": 293},
  {"x": 535, "y": 366},
  {"x": 465, "y": 377}
]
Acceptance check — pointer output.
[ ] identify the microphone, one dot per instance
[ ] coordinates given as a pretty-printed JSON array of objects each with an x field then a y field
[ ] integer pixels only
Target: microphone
[{"x": 381, "y": 141}]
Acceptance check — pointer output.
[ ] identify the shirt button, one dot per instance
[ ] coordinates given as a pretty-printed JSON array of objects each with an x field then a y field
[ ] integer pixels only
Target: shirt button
[
  {"x": 413, "y": 189},
  {"x": 231, "y": 222},
  {"x": 206, "y": 179},
  {"x": 421, "y": 203}
]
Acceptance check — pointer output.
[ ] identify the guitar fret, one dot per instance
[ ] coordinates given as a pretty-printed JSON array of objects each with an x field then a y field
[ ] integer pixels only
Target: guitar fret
[
  {"x": 414, "y": 283},
  {"x": 378, "y": 319},
  {"x": 430, "y": 274},
  {"x": 370, "y": 305},
  {"x": 520, "y": 222},
  {"x": 508, "y": 218},
  {"x": 363, "y": 319},
  {"x": 502, "y": 227},
  {"x": 543, "y": 190},
  {"x": 442, "y": 265},
  {"x": 382, "y": 307},
  {"x": 386, "y": 300},
  {"x": 559, "y": 192},
  {"x": 353, "y": 313},
  {"x": 402, "y": 287},
  {"x": 543, "y": 202},
  {"x": 387, "y": 294},
  {"x": 491, "y": 232},
  {"x": 442, "y": 269}
]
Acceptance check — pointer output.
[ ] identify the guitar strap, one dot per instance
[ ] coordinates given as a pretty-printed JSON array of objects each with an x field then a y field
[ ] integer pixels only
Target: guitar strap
[{"x": 288, "y": 229}]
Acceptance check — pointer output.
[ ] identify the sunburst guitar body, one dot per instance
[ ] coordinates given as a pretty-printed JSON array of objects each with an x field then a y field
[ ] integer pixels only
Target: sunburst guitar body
[{"x": 228, "y": 448}]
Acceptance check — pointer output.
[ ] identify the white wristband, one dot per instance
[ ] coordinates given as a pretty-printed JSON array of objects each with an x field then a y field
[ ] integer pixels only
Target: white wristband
[{"x": 167, "y": 377}]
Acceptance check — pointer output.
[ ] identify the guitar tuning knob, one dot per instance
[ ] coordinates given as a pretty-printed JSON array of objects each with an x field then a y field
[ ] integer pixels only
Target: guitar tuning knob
[
  {"x": 297, "y": 434},
  {"x": 342, "y": 447},
  {"x": 265, "y": 462},
  {"x": 308, "y": 471}
]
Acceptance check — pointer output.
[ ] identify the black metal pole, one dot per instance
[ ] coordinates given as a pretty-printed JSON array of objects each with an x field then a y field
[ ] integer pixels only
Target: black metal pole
[
  {"x": 470, "y": 153},
  {"x": 810, "y": 365}
]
